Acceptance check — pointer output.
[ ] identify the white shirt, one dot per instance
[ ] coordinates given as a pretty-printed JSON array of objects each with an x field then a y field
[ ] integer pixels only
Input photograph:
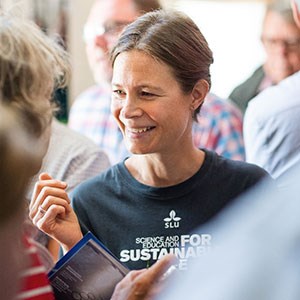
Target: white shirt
[
  {"x": 71, "y": 157},
  {"x": 272, "y": 127}
]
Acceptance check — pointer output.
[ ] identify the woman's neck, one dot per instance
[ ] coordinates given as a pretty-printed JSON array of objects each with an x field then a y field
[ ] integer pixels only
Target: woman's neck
[{"x": 162, "y": 171}]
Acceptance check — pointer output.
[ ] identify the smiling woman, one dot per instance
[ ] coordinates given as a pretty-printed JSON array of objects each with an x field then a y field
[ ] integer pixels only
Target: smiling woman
[
  {"x": 167, "y": 187},
  {"x": 152, "y": 111}
]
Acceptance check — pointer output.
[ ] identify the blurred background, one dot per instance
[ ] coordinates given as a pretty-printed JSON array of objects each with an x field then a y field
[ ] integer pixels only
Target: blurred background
[{"x": 231, "y": 27}]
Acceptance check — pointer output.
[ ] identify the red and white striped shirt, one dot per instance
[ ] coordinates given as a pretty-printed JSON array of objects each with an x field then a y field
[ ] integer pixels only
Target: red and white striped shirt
[{"x": 34, "y": 281}]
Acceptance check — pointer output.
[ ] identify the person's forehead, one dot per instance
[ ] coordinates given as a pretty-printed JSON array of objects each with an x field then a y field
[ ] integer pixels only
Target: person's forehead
[
  {"x": 275, "y": 26},
  {"x": 275, "y": 19},
  {"x": 112, "y": 10},
  {"x": 133, "y": 62}
]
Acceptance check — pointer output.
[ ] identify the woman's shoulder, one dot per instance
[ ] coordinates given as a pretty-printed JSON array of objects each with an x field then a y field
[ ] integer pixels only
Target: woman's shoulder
[
  {"x": 235, "y": 177},
  {"x": 234, "y": 168}
]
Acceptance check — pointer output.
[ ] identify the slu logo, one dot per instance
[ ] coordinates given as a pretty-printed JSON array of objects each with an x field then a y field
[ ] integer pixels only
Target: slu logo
[{"x": 172, "y": 221}]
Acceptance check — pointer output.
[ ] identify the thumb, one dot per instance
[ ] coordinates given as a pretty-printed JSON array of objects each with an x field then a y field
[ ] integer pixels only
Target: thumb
[
  {"x": 44, "y": 176},
  {"x": 158, "y": 270}
]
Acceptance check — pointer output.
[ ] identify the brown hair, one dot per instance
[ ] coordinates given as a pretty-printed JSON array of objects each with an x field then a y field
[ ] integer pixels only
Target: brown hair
[
  {"x": 20, "y": 159},
  {"x": 173, "y": 38}
]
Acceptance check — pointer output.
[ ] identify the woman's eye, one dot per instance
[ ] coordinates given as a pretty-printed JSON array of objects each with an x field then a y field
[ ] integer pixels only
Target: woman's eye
[
  {"x": 146, "y": 94},
  {"x": 118, "y": 92}
]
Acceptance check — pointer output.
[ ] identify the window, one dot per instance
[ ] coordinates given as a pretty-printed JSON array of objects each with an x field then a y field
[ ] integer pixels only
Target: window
[{"x": 232, "y": 30}]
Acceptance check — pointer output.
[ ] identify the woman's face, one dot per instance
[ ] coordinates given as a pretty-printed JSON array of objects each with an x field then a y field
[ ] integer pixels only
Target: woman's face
[{"x": 152, "y": 112}]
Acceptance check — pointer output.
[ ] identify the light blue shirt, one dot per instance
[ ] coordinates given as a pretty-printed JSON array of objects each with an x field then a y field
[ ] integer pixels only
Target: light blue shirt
[{"x": 272, "y": 127}]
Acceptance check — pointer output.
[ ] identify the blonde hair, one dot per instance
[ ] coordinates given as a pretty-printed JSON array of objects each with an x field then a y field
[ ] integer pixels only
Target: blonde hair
[{"x": 32, "y": 65}]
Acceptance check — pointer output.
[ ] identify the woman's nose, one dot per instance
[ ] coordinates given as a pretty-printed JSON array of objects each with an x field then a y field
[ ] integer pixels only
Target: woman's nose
[{"x": 131, "y": 108}]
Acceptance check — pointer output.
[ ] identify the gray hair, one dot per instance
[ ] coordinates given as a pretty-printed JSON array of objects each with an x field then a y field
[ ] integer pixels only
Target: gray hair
[{"x": 283, "y": 8}]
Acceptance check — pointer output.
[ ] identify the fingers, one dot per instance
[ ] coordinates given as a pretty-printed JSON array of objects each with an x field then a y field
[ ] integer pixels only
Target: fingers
[
  {"x": 46, "y": 198},
  {"x": 158, "y": 270},
  {"x": 48, "y": 202},
  {"x": 46, "y": 180},
  {"x": 44, "y": 188},
  {"x": 46, "y": 220},
  {"x": 51, "y": 211},
  {"x": 44, "y": 176},
  {"x": 41, "y": 210},
  {"x": 149, "y": 282},
  {"x": 52, "y": 207},
  {"x": 143, "y": 284}
]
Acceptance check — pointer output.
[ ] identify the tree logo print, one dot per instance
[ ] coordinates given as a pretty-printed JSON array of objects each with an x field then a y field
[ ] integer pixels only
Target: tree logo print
[{"x": 172, "y": 221}]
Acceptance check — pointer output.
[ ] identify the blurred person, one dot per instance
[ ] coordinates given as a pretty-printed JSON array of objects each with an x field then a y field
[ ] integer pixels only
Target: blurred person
[
  {"x": 271, "y": 127},
  {"x": 218, "y": 128},
  {"x": 256, "y": 254},
  {"x": 19, "y": 161},
  {"x": 70, "y": 156},
  {"x": 146, "y": 206},
  {"x": 24, "y": 263},
  {"x": 32, "y": 66},
  {"x": 281, "y": 41}
]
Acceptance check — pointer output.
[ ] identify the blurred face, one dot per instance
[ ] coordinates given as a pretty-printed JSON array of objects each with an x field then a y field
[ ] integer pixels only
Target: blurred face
[
  {"x": 45, "y": 139},
  {"x": 152, "y": 112},
  {"x": 12, "y": 256},
  {"x": 281, "y": 41},
  {"x": 104, "y": 24}
]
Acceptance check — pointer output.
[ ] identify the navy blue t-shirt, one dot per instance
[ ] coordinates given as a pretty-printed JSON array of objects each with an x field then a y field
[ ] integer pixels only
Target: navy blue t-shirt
[{"x": 140, "y": 223}]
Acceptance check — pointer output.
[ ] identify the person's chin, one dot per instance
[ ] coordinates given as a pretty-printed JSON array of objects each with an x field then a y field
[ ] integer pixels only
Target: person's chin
[{"x": 135, "y": 150}]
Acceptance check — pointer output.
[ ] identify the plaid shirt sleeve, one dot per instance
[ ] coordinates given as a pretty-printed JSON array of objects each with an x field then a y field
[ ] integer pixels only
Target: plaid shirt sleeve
[{"x": 220, "y": 128}]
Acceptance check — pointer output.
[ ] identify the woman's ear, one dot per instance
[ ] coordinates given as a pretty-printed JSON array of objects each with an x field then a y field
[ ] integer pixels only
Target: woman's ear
[{"x": 199, "y": 93}]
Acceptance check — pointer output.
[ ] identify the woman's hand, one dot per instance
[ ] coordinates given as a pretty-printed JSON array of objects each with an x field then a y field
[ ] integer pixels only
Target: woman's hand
[
  {"x": 144, "y": 284},
  {"x": 50, "y": 210}
]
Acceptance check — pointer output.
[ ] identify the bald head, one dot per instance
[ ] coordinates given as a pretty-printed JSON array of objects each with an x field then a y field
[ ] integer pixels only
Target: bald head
[
  {"x": 120, "y": 10},
  {"x": 105, "y": 21}
]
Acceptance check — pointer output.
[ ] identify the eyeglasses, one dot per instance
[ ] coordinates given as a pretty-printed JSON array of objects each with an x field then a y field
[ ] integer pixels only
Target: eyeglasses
[
  {"x": 288, "y": 44},
  {"x": 109, "y": 29}
]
